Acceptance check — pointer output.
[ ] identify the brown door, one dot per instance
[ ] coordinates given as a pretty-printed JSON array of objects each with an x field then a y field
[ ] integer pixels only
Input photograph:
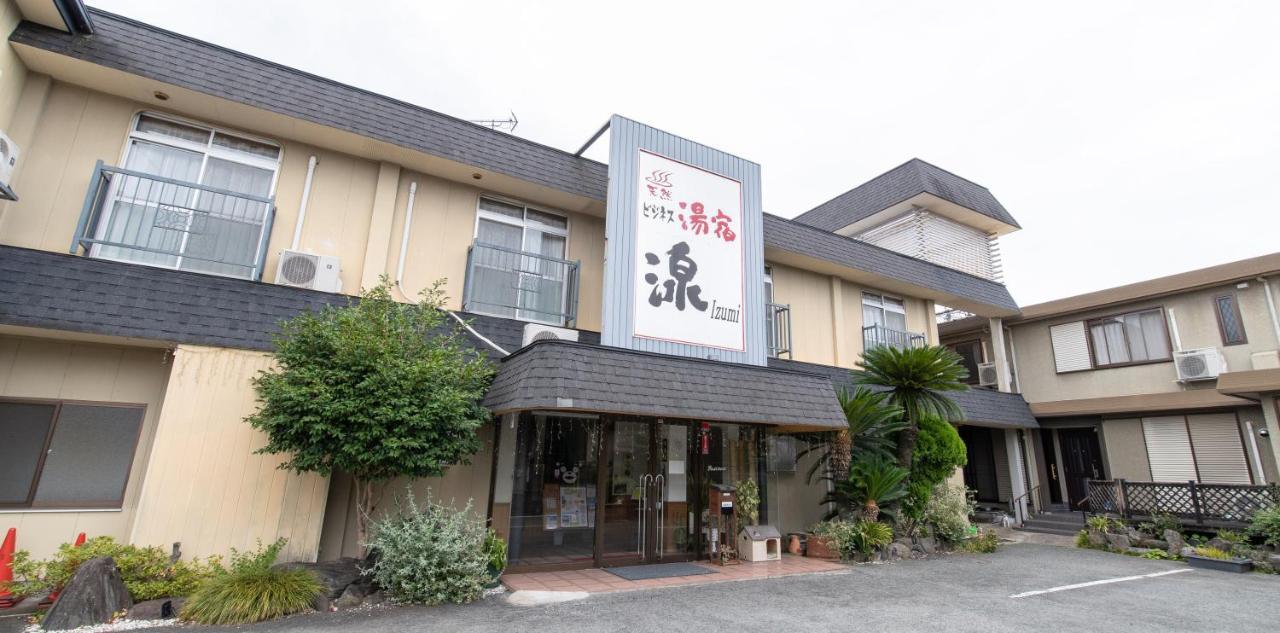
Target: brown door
[{"x": 1082, "y": 461}]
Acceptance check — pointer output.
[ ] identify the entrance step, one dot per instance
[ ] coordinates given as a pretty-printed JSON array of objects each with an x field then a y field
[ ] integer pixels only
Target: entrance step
[{"x": 1066, "y": 524}]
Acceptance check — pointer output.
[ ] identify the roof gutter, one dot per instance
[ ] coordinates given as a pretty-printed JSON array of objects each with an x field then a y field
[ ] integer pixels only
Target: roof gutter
[{"x": 75, "y": 16}]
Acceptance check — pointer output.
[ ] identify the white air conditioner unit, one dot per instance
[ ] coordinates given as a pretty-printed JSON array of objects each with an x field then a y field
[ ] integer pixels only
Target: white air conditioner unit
[
  {"x": 1198, "y": 364},
  {"x": 8, "y": 162},
  {"x": 306, "y": 270},
  {"x": 539, "y": 332},
  {"x": 987, "y": 375}
]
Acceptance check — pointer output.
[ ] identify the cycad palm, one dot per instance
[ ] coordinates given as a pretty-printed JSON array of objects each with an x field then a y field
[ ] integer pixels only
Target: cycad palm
[
  {"x": 874, "y": 480},
  {"x": 916, "y": 379}
]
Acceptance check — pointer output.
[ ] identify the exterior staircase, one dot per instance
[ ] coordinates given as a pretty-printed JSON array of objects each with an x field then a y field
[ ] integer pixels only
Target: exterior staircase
[{"x": 1054, "y": 520}]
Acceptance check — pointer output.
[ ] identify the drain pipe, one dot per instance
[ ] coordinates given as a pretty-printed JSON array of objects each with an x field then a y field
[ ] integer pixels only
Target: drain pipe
[
  {"x": 302, "y": 206},
  {"x": 404, "y": 239},
  {"x": 1271, "y": 306}
]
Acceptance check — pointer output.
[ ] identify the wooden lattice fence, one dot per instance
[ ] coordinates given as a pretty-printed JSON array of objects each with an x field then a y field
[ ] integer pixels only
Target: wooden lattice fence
[{"x": 1215, "y": 505}]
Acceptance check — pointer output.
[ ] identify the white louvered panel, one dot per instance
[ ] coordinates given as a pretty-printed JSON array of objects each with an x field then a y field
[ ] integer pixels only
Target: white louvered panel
[
  {"x": 1169, "y": 449},
  {"x": 933, "y": 238},
  {"x": 1218, "y": 450},
  {"x": 1004, "y": 487},
  {"x": 1070, "y": 347}
]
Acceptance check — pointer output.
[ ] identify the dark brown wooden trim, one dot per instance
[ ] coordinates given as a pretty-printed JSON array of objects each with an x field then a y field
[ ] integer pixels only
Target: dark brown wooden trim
[
  {"x": 1235, "y": 308},
  {"x": 30, "y": 502},
  {"x": 1244, "y": 446},
  {"x": 1191, "y": 441},
  {"x": 493, "y": 469},
  {"x": 1164, "y": 326}
]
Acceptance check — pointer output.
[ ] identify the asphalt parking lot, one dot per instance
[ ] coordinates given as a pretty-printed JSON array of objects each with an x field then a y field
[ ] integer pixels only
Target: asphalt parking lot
[{"x": 1019, "y": 588}]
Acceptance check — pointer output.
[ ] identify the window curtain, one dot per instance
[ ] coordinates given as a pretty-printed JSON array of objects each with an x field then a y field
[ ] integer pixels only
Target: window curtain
[
  {"x": 148, "y": 213},
  {"x": 543, "y": 282},
  {"x": 224, "y": 238},
  {"x": 495, "y": 287}
]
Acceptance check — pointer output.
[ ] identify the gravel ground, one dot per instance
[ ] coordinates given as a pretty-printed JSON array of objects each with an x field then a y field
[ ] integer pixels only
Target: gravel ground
[{"x": 955, "y": 593}]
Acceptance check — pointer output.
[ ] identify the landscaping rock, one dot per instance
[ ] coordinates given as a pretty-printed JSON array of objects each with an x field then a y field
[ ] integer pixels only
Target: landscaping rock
[
  {"x": 1118, "y": 541},
  {"x": 1097, "y": 539},
  {"x": 96, "y": 592},
  {"x": 353, "y": 595},
  {"x": 1133, "y": 533},
  {"x": 1221, "y": 544},
  {"x": 1186, "y": 551},
  {"x": 1151, "y": 543},
  {"x": 378, "y": 597},
  {"x": 1175, "y": 541},
  {"x": 899, "y": 550},
  {"x": 322, "y": 603},
  {"x": 158, "y": 609},
  {"x": 335, "y": 575}
]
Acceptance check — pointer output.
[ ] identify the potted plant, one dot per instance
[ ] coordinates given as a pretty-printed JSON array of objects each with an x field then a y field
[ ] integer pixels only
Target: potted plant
[
  {"x": 821, "y": 542},
  {"x": 1220, "y": 560},
  {"x": 496, "y": 548}
]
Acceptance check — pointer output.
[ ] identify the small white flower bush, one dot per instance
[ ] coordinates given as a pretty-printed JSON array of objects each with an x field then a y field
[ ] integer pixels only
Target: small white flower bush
[
  {"x": 948, "y": 512},
  {"x": 431, "y": 554}
]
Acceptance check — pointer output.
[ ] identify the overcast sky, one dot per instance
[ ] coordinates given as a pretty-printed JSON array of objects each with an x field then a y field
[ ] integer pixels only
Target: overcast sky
[{"x": 1130, "y": 140}]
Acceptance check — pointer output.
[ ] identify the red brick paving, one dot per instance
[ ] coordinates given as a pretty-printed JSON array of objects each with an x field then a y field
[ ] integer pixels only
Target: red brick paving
[{"x": 601, "y": 581}]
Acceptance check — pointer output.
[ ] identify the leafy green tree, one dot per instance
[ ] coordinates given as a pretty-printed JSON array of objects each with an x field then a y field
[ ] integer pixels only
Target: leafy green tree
[
  {"x": 917, "y": 379},
  {"x": 939, "y": 451},
  {"x": 378, "y": 389}
]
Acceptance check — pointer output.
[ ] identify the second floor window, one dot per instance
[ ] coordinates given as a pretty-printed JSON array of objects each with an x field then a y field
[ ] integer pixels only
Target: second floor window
[
  {"x": 1230, "y": 325},
  {"x": 884, "y": 311},
  {"x": 1134, "y": 337},
  {"x": 154, "y": 215},
  {"x": 519, "y": 263}
]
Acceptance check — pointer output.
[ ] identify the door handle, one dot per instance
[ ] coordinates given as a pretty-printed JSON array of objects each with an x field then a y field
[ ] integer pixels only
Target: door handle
[{"x": 660, "y": 483}]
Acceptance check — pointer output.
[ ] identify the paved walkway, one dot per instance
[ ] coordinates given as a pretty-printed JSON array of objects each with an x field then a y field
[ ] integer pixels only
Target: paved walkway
[{"x": 601, "y": 581}]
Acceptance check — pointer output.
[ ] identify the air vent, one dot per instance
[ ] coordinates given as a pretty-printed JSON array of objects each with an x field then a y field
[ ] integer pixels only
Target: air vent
[
  {"x": 539, "y": 332},
  {"x": 306, "y": 270},
  {"x": 987, "y": 375},
  {"x": 1198, "y": 364}
]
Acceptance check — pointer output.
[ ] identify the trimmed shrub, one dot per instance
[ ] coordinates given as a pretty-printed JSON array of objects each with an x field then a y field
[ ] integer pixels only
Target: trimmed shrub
[
  {"x": 986, "y": 542},
  {"x": 430, "y": 554},
  {"x": 939, "y": 451},
  {"x": 855, "y": 537},
  {"x": 251, "y": 591},
  {"x": 947, "y": 512},
  {"x": 1266, "y": 526},
  {"x": 146, "y": 571}
]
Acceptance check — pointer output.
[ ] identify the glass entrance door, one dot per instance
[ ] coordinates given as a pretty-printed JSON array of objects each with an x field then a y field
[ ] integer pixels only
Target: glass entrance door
[{"x": 648, "y": 494}]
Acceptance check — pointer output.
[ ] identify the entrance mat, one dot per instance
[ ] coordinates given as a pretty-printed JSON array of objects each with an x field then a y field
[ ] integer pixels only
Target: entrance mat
[{"x": 664, "y": 570}]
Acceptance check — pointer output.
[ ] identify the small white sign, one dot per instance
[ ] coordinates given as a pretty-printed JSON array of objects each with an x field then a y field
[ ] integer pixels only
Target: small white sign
[{"x": 689, "y": 259}]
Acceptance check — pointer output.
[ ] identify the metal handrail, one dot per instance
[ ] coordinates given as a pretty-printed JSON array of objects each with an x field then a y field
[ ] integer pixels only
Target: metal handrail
[
  {"x": 1032, "y": 495},
  {"x": 879, "y": 335},
  {"x": 524, "y": 265},
  {"x": 178, "y": 210}
]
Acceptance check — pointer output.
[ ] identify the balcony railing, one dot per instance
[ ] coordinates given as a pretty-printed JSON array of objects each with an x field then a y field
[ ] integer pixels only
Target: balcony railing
[
  {"x": 879, "y": 335},
  {"x": 148, "y": 219},
  {"x": 778, "y": 327},
  {"x": 520, "y": 285}
]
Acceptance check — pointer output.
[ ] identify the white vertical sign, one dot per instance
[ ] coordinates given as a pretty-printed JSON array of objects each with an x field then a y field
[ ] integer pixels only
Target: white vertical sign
[{"x": 689, "y": 255}]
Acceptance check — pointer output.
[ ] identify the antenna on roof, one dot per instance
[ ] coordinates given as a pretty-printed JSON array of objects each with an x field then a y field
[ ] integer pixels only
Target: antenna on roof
[{"x": 509, "y": 124}]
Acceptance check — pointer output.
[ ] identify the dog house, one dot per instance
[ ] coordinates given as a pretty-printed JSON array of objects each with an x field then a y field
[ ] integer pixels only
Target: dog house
[{"x": 760, "y": 543}]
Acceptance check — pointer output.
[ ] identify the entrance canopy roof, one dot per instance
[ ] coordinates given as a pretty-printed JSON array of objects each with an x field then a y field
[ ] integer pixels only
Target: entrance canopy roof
[{"x": 568, "y": 376}]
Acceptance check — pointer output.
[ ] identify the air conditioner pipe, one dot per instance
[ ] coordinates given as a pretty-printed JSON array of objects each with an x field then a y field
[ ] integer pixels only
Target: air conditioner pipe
[
  {"x": 302, "y": 206},
  {"x": 1271, "y": 307},
  {"x": 404, "y": 239}
]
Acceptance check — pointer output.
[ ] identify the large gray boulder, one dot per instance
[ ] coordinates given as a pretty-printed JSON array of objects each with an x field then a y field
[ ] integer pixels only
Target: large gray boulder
[
  {"x": 334, "y": 575},
  {"x": 1175, "y": 541},
  {"x": 158, "y": 609},
  {"x": 94, "y": 595},
  {"x": 1119, "y": 541}
]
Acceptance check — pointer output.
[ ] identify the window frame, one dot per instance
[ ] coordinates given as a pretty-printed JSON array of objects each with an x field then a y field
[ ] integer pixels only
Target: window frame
[
  {"x": 525, "y": 225},
  {"x": 883, "y": 307},
  {"x": 29, "y": 505},
  {"x": 1093, "y": 352},
  {"x": 1235, "y": 308},
  {"x": 981, "y": 359},
  {"x": 207, "y": 150}
]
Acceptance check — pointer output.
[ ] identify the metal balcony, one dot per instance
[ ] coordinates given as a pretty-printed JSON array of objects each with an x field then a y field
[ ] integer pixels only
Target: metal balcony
[
  {"x": 520, "y": 285},
  {"x": 879, "y": 335},
  {"x": 778, "y": 327},
  {"x": 148, "y": 219}
]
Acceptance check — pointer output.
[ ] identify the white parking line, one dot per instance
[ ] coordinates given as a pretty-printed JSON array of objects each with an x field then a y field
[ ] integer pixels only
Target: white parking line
[{"x": 1094, "y": 583}]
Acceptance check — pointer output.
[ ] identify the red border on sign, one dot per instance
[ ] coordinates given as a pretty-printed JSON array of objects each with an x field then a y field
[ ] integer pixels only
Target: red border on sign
[{"x": 742, "y": 255}]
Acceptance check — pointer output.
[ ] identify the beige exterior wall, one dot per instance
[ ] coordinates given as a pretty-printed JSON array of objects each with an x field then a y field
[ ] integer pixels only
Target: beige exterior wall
[
  {"x": 461, "y": 484},
  {"x": 13, "y": 73},
  {"x": 49, "y": 369},
  {"x": 1197, "y": 327},
  {"x": 205, "y": 487}
]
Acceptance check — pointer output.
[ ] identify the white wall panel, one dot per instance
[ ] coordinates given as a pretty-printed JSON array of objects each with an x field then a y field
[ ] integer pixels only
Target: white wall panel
[{"x": 1070, "y": 347}]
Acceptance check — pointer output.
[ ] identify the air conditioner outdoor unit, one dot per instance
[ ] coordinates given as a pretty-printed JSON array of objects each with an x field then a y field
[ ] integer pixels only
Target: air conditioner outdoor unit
[
  {"x": 306, "y": 270},
  {"x": 987, "y": 375},
  {"x": 1198, "y": 364},
  {"x": 8, "y": 162},
  {"x": 539, "y": 332}
]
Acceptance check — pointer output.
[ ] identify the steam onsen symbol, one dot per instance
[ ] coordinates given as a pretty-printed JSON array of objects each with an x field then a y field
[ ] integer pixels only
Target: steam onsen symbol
[{"x": 659, "y": 177}]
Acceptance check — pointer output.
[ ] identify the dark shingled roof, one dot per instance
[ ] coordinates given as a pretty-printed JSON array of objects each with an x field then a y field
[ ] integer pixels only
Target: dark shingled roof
[
  {"x": 152, "y": 52},
  {"x": 905, "y": 181},
  {"x": 802, "y": 239},
  {"x": 560, "y": 375},
  {"x": 58, "y": 291},
  {"x": 981, "y": 407}
]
